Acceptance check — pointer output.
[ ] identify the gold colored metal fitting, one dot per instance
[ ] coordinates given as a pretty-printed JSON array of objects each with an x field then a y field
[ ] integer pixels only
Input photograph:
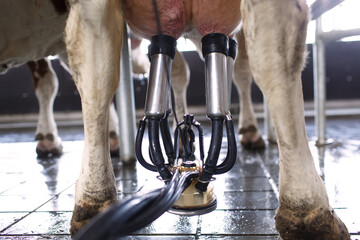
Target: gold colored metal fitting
[
  {"x": 193, "y": 198},
  {"x": 198, "y": 166},
  {"x": 192, "y": 201}
]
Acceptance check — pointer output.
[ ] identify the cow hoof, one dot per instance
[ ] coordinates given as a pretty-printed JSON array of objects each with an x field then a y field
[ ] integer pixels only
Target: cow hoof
[
  {"x": 251, "y": 139},
  {"x": 84, "y": 213},
  {"x": 114, "y": 144},
  {"x": 48, "y": 145},
  {"x": 318, "y": 224}
]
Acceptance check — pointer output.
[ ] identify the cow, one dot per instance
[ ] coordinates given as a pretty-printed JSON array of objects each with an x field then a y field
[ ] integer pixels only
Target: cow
[
  {"x": 35, "y": 33},
  {"x": 93, "y": 27},
  {"x": 46, "y": 84},
  {"x": 44, "y": 37},
  {"x": 274, "y": 35}
]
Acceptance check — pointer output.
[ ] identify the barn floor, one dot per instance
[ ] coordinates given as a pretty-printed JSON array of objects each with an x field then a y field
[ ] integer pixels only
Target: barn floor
[{"x": 37, "y": 196}]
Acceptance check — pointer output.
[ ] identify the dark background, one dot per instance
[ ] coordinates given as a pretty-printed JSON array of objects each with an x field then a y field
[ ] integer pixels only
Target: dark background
[{"x": 342, "y": 82}]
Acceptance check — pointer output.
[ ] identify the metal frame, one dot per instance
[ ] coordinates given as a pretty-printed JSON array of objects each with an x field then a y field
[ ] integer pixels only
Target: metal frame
[
  {"x": 125, "y": 104},
  {"x": 321, "y": 39}
]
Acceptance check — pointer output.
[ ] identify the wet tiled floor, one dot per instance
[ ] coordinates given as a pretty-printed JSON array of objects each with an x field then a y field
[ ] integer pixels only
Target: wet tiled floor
[{"x": 37, "y": 196}]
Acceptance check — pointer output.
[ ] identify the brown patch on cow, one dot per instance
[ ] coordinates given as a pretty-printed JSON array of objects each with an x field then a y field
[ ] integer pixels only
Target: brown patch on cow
[
  {"x": 61, "y": 6},
  {"x": 39, "y": 137},
  {"x": 251, "y": 129},
  {"x": 50, "y": 137},
  {"x": 113, "y": 135},
  {"x": 247, "y": 138},
  {"x": 38, "y": 69}
]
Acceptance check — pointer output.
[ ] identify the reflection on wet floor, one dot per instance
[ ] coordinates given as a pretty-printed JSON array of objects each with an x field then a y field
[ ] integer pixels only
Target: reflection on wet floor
[{"x": 37, "y": 196}]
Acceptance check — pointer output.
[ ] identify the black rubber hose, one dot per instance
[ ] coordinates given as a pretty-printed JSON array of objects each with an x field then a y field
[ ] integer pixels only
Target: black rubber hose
[
  {"x": 135, "y": 212},
  {"x": 230, "y": 159},
  {"x": 176, "y": 141},
  {"x": 138, "y": 143},
  {"x": 163, "y": 203},
  {"x": 155, "y": 149},
  {"x": 213, "y": 154},
  {"x": 101, "y": 227},
  {"x": 167, "y": 141},
  {"x": 201, "y": 139}
]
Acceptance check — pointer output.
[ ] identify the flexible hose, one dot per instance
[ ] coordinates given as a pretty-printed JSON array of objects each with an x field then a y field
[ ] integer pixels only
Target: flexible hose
[
  {"x": 230, "y": 159},
  {"x": 155, "y": 149},
  {"x": 167, "y": 142},
  {"x": 213, "y": 154},
  {"x": 201, "y": 138},
  {"x": 138, "y": 143},
  {"x": 136, "y": 212}
]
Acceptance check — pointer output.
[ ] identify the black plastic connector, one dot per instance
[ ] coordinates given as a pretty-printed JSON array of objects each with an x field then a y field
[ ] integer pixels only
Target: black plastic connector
[
  {"x": 215, "y": 42},
  {"x": 163, "y": 44},
  {"x": 232, "y": 48}
]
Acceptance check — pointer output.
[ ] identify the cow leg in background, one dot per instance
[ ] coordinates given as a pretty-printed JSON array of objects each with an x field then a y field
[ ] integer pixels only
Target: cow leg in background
[
  {"x": 46, "y": 87},
  {"x": 275, "y": 33},
  {"x": 180, "y": 77},
  {"x": 94, "y": 33},
  {"x": 114, "y": 132},
  {"x": 139, "y": 60},
  {"x": 249, "y": 133}
]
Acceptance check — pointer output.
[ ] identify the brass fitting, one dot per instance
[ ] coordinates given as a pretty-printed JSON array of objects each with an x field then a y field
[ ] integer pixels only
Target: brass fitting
[{"x": 192, "y": 201}]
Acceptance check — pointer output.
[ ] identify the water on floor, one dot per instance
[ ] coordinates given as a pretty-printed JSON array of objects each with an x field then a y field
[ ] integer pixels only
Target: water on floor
[{"x": 37, "y": 196}]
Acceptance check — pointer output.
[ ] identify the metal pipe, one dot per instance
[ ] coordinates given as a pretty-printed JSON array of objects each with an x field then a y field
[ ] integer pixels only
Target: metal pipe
[
  {"x": 230, "y": 68},
  {"x": 338, "y": 34},
  {"x": 125, "y": 105},
  {"x": 157, "y": 95},
  {"x": 215, "y": 48},
  {"x": 320, "y": 6},
  {"x": 216, "y": 87},
  {"x": 319, "y": 84}
]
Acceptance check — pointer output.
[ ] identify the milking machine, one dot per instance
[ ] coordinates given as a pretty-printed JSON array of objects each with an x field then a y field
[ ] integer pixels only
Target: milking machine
[{"x": 187, "y": 178}]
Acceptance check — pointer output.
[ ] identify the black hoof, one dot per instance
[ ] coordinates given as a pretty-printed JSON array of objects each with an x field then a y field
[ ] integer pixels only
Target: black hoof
[{"x": 48, "y": 154}]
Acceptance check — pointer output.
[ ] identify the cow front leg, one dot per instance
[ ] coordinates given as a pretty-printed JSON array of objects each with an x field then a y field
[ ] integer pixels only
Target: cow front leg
[
  {"x": 93, "y": 41},
  {"x": 46, "y": 87},
  {"x": 249, "y": 133},
  {"x": 275, "y": 33}
]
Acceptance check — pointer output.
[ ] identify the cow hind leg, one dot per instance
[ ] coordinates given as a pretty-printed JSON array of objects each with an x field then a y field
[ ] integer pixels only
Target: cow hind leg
[
  {"x": 114, "y": 132},
  {"x": 180, "y": 77},
  {"x": 46, "y": 86},
  {"x": 93, "y": 40},
  {"x": 249, "y": 133},
  {"x": 275, "y": 34}
]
